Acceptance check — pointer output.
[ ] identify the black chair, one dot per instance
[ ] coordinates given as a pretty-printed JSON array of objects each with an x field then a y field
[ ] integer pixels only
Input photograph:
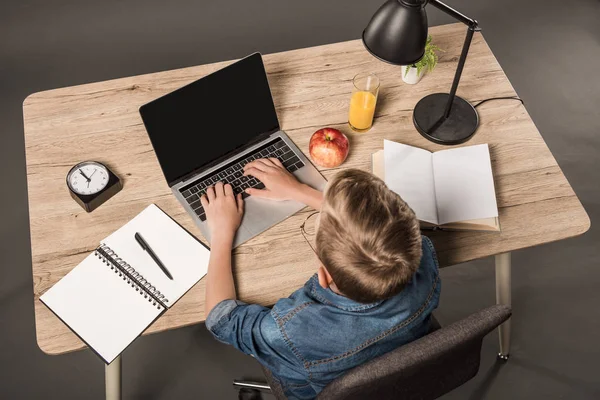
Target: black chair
[{"x": 424, "y": 369}]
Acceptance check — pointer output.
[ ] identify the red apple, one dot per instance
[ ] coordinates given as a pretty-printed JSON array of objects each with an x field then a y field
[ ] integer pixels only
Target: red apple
[{"x": 328, "y": 147}]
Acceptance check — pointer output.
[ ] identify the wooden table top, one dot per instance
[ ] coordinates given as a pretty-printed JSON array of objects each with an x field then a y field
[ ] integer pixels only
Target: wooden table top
[{"x": 311, "y": 89}]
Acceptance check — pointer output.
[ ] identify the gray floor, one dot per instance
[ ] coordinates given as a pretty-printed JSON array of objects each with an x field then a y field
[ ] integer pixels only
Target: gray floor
[{"x": 549, "y": 49}]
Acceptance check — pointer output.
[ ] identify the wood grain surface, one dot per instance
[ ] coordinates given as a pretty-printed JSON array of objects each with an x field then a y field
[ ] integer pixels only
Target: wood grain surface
[{"x": 311, "y": 88}]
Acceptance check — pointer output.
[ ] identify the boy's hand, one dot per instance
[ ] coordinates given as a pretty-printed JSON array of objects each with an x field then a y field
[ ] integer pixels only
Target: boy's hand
[
  {"x": 279, "y": 183},
  {"x": 224, "y": 211}
]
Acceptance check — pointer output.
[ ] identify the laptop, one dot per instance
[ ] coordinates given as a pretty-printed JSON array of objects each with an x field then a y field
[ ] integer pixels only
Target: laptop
[{"x": 209, "y": 130}]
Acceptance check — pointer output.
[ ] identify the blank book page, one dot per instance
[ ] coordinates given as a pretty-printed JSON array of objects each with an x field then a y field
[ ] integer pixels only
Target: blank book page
[
  {"x": 100, "y": 307},
  {"x": 409, "y": 172},
  {"x": 464, "y": 184},
  {"x": 184, "y": 256}
]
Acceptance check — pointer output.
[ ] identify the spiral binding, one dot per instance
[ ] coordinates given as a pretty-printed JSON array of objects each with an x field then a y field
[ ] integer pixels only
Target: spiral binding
[{"x": 131, "y": 276}]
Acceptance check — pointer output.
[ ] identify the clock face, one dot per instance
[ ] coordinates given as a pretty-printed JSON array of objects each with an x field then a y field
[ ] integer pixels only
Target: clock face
[{"x": 88, "y": 178}]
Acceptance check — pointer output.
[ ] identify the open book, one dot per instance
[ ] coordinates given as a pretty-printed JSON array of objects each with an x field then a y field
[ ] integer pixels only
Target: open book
[
  {"x": 450, "y": 189},
  {"x": 118, "y": 291}
]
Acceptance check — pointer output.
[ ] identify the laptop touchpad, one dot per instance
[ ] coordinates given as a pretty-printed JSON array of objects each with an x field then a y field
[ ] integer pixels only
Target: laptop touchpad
[{"x": 261, "y": 214}]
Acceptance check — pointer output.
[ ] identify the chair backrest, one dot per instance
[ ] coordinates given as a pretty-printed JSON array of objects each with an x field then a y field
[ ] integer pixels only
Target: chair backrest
[{"x": 424, "y": 369}]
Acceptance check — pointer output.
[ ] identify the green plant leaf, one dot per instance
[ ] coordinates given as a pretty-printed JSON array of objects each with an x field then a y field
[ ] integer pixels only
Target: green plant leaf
[{"x": 430, "y": 58}]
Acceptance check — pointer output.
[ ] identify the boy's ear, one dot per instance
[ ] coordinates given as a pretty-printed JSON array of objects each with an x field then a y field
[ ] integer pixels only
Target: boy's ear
[{"x": 324, "y": 277}]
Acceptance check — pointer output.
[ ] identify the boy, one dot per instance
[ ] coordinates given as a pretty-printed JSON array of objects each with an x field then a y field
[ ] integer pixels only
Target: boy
[{"x": 374, "y": 290}]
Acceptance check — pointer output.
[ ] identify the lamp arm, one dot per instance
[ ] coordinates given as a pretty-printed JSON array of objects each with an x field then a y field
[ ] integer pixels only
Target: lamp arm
[
  {"x": 453, "y": 13},
  {"x": 473, "y": 27}
]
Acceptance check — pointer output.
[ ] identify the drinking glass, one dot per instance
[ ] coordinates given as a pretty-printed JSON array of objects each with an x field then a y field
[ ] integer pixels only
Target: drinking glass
[{"x": 363, "y": 101}]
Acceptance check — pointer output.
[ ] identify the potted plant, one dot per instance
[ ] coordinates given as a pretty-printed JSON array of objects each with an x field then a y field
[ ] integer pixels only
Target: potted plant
[{"x": 412, "y": 74}]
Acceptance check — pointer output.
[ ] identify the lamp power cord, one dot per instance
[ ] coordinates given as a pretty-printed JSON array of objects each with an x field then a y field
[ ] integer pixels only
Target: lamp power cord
[{"x": 500, "y": 98}]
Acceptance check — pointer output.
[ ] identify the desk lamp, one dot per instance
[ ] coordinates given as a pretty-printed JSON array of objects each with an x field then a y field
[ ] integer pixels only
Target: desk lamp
[{"x": 397, "y": 34}]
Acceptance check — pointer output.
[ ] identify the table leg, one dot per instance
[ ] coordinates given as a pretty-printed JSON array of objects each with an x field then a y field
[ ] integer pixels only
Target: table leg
[
  {"x": 113, "y": 379},
  {"x": 503, "y": 296}
]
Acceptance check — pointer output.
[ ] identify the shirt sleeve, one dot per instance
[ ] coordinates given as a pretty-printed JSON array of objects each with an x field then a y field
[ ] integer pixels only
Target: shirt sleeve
[
  {"x": 238, "y": 324},
  {"x": 253, "y": 330}
]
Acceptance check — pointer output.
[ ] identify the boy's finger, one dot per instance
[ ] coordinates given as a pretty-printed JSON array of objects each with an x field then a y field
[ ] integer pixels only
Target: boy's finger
[
  {"x": 259, "y": 164},
  {"x": 204, "y": 201},
  {"x": 219, "y": 191},
  {"x": 255, "y": 172},
  {"x": 263, "y": 193},
  {"x": 240, "y": 203},
  {"x": 276, "y": 161},
  {"x": 266, "y": 162},
  {"x": 210, "y": 193},
  {"x": 228, "y": 190}
]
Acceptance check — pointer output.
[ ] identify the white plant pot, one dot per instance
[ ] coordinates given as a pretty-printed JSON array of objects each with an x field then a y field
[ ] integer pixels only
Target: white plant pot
[{"x": 412, "y": 77}]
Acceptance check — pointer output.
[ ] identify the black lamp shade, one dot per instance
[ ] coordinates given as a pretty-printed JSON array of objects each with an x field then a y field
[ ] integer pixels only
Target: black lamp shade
[{"x": 397, "y": 33}]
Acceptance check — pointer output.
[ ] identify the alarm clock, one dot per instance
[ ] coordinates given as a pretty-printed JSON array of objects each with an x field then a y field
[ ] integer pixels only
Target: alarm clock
[{"x": 91, "y": 183}]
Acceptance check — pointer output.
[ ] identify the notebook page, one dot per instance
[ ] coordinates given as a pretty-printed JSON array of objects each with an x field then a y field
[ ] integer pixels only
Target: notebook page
[
  {"x": 184, "y": 257},
  {"x": 464, "y": 184},
  {"x": 409, "y": 172},
  {"x": 100, "y": 307}
]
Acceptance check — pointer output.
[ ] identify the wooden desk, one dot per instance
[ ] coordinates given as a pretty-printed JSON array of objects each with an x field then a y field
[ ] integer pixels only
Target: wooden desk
[{"x": 311, "y": 88}]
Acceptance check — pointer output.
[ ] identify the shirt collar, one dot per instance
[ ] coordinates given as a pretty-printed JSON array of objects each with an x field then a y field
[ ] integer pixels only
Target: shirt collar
[{"x": 329, "y": 297}]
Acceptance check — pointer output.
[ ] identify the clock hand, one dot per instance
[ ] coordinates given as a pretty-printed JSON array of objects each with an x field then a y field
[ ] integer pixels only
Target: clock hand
[
  {"x": 84, "y": 175},
  {"x": 93, "y": 173}
]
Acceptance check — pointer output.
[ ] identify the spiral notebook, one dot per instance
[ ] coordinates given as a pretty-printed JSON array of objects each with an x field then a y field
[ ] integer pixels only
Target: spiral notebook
[{"x": 118, "y": 291}]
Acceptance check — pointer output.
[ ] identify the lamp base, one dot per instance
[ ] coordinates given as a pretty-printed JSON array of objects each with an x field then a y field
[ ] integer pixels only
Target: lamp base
[{"x": 459, "y": 127}]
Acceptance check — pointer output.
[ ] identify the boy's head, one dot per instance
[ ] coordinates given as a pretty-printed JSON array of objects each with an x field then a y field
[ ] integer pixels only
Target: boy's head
[{"x": 368, "y": 238}]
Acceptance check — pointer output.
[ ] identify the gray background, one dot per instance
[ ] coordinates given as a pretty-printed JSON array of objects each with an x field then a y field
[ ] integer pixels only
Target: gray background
[{"x": 549, "y": 50}]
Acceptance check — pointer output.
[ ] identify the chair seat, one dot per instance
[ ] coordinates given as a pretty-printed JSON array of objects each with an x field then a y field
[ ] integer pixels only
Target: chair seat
[{"x": 424, "y": 369}]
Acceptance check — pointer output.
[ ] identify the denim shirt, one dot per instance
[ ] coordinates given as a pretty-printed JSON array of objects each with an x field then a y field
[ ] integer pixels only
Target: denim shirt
[{"x": 315, "y": 335}]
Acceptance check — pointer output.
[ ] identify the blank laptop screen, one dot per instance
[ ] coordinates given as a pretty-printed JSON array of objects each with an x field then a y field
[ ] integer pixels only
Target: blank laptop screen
[{"x": 210, "y": 117}]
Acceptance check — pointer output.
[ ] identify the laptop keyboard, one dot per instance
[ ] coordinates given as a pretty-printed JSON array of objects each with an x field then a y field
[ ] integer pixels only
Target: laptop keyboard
[{"x": 233, "y": 174}]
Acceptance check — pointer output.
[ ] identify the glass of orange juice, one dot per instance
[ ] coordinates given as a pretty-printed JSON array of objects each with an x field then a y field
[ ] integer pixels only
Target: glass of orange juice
[{"x": 362, "y": 102}]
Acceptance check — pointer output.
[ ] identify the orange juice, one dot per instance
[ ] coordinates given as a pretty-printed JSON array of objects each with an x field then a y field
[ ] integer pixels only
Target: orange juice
[{"x": 362, "y": 109}]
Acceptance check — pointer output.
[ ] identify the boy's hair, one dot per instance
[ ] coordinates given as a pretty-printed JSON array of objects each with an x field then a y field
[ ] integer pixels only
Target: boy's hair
[{"x": 368, "y": 238}]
